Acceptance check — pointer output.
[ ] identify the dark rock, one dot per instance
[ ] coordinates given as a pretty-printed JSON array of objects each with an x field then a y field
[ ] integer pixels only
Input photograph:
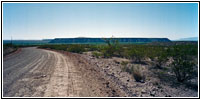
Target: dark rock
[
  {"x": 167, "y": 95},
  {"x": 153, "y": 93}
]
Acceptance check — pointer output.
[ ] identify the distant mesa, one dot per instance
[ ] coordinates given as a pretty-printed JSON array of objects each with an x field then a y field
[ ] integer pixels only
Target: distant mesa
[
  {"x": 101, "y": 40},
  {"x": 47, "y": 39}
]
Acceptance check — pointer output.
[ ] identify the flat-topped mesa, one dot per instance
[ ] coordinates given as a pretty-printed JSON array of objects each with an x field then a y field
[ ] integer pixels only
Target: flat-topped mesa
[{"x": 101, "y": 40}]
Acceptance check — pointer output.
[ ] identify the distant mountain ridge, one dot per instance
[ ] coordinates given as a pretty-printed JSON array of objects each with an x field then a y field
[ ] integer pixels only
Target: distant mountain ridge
[
  {"x": 188, "y": 39},
  {"x": 101, "y": 40}
]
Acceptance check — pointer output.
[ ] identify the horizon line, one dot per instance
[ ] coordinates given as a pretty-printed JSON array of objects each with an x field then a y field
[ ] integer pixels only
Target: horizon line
[
  {"x": 99, "y": 37},
  {"x": 84, "y": 37}
]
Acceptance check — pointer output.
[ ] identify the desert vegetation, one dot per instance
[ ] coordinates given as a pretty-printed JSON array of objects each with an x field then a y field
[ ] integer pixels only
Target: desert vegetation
[
  {"x": 9, "y": 48},
  {"x": 182, "y": 55}
]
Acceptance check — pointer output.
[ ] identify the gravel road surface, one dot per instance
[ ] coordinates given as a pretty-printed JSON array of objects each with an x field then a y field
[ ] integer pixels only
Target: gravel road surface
[{"x": 43, "y": 73}]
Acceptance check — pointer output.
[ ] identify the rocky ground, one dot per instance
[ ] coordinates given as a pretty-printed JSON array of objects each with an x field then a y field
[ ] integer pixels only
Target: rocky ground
[{"x": 158, "y": 83}]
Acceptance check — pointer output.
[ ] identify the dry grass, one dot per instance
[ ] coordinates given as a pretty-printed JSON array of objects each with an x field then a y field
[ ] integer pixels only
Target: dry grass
[{"x": 138, "y": 73}]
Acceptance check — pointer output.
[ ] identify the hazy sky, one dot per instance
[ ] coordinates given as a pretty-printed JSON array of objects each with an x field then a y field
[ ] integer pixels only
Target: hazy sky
[{"x": 54, "y": 20}]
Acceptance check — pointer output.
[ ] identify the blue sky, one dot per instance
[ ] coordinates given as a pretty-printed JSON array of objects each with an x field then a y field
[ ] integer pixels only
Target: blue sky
[{"x": 63, "y": 20}]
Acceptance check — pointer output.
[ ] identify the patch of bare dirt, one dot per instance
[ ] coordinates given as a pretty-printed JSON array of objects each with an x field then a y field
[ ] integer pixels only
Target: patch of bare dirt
[{"x": 93, "y": 81}]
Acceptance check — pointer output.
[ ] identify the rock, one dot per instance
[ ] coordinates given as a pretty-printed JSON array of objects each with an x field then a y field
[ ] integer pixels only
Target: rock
[
  {"x": 153, "y": 93},
  {"x": 43, "y": 76},
  {"x": 143, "y": 91},
  {"x": 107, "y": 66},
  {"x": 159, "y": 87},
  {"x": 167, "y": 95},
  {"x": 134, "y": 95},
  {"x": 112, "y": 74},
  {"x": 107, "y": 84},
  {"x": 155, "y": 89},
  {"x": 38, "y": 77}
]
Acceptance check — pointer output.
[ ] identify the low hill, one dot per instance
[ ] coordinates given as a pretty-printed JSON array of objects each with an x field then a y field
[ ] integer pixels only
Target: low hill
[
  {"x": 188, "y": 39},
  {"x": 174, "y": 43},
  {"x": 26, "y": 42}
]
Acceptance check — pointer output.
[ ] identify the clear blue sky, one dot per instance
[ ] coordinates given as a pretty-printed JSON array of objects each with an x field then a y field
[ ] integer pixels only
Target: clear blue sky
[{"x": 63, "y": 20}]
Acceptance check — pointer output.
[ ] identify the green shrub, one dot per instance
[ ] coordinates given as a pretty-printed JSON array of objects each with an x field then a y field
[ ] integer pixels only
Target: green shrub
[
  {"x": 183, "y": 69},
  {"x": 112, "y": 48},
  {"x": 54, "y": 46},
  {"x": 8, "y": 45},
  {"x": 93, "y": 48},
  {"x": 124, "y": 63},
  {"x": 76, "y": 48},
  {"x": 107, "y": 51},
  {"x": 96, "y": 54},
  {"x": 177, "y": 50},
  {"x": 136, "y": 53},
  {"x": 161, "y": 58},
  {"x": 183, "y": 66},
  {"x": 9, "y": 48}
]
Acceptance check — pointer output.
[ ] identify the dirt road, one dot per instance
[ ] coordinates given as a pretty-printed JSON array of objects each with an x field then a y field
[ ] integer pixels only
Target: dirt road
[{"x": 43, "y": 73}]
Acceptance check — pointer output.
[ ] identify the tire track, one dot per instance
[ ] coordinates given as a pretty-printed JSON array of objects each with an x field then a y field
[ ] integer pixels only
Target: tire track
[
  {"x": 18, "y": 65},
  {"x": 17, "y": 72},
  {"x": 19, "y": 57},
  {"x": 63, "y": 81}
]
